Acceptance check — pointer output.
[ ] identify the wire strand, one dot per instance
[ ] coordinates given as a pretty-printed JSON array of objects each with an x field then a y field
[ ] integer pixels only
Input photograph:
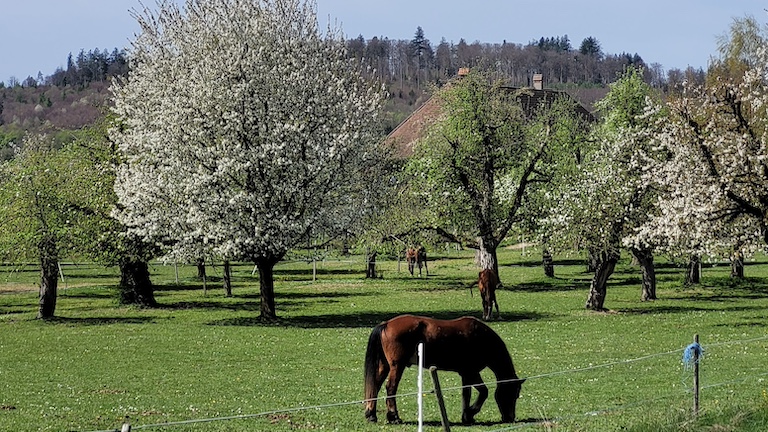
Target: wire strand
[{"x": 409, "y": 394}]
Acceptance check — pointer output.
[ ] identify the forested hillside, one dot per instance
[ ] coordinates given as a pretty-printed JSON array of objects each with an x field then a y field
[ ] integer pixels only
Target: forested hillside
[{"x": 75, "y": 96}]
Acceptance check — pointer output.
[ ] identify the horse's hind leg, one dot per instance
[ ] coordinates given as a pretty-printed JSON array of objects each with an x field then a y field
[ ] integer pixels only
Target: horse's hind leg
[
  {"x": 395, "y": 373},
  {"x": 370, "y": 403},
  {"x": 487, "y": 307},
  {"x": 468, "y": 411}
]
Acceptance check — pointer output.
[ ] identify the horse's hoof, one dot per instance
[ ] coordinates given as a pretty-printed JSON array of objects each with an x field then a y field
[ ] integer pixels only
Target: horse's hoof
[
  {"x": 371, "y": 416},
  {"x": 393, "y": 419},
  {"x": 467, "y": 420}
]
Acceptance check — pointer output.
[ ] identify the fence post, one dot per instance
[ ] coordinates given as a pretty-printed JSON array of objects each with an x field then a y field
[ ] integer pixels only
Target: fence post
[
  {"x": 420, "y": 380},
  {"x": 440, "y": 400},
  {"x": 696, "y": 386}
]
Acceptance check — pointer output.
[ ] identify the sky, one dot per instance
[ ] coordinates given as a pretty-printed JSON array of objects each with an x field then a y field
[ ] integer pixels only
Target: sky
[{"x": 673, "y": 33}]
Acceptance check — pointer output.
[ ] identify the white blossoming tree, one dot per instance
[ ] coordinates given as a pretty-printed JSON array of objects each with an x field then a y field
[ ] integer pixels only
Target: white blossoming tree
[
  {"x": 599, "y": 205},
  {"x": 243, "y": 127},
  {"x": 715, "y": 175}
]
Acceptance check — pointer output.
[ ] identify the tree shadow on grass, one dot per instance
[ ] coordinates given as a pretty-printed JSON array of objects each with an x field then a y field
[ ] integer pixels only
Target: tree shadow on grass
[
  {"x": 97, "y": 321},
  {"x": 105, "y": 293},
  {"x": 672, "y": 309},
  {"x": 361, "y": 319},
  {"x": 492, "y": 406},
  {"x": 213, "y": 305},
  {"x": 551, "y": 285},
  {"x": 252, "y": 301},
  {"x": 321, "y": 271}
]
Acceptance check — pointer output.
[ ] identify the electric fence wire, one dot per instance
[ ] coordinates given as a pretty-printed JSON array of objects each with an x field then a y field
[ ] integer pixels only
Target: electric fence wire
[{"x": 491, "y": 383}]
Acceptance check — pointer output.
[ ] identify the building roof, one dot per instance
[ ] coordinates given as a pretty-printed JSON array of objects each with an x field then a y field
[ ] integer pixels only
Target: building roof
[{"x": 405, "y": 136}]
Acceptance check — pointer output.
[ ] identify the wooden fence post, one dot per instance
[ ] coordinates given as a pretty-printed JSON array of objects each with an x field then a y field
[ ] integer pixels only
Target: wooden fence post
[{"x": 440, "y": 400}]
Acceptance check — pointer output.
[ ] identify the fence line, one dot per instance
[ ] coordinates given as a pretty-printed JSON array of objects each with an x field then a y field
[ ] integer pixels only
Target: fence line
[
  {"x": 624, "y": 406},
  {"x": 490, "y": 383}
]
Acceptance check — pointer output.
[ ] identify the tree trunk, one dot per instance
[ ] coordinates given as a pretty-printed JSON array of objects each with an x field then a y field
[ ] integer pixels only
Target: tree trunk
[
  {"x": 599, "y": 286},
  {"x": 644, "y": 258},
  {"x": 227, "y": 279},
  {"x": 135, "y": 285},
  {"x": 693, "y": 275},
  {"x": 200, "y": 269},
  {"x": 593, "y": 260},
  {"x": 486, "y": 256},
  {"x": 370, "y": 271},
  {"x": 267, "y": 287},
  {"x": 546, "y": 259},
  {"x": 737, "y": 264},
  {"x": 49, "y": 277}
]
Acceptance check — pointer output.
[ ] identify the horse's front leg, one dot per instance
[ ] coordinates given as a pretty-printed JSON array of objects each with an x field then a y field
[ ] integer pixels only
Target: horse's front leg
[
  {"x": 395, "y": 373},
  {"x": 468, "y": 411}
]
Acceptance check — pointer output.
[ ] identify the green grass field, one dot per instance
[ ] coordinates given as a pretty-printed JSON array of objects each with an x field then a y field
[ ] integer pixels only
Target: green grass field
[{"x": 207, "y": 357}]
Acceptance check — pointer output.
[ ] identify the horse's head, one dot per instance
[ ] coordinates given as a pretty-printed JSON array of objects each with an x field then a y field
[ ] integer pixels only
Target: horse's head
[{"x": 506, "y": 395}]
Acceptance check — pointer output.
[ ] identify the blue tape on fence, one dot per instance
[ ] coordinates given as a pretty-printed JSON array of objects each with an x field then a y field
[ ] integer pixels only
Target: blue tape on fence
[{"x": 692, "y": 354}]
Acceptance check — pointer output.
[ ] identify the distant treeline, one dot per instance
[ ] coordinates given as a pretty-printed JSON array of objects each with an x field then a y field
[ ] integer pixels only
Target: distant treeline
[
  {"x": 419, "y": 61},
  {"x": 408, "y": 69},
  {"x": 416, "y": 63},
  {"x": 89, "y": 66}
]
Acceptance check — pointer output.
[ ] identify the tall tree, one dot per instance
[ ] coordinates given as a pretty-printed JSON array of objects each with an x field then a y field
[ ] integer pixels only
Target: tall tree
[
  {"x": 590, "y": 46},
  {"x": 716, "y": 175},
  {"x": 601, "y": 204},
  {"x": 253, "y": 122},
  {"x": 40, "y": 192},
  {"x": 478, "y": 164}
]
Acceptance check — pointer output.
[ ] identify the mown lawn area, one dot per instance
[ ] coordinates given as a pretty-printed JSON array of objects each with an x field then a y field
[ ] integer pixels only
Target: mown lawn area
[{"x": 202, "y": 357}]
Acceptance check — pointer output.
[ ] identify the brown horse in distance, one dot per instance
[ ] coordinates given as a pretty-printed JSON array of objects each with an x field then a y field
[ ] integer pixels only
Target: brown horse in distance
[
  {"x": 464, "y": 345},
  {"x": 416, "y": 256},
  {"x": 487, "y": 283}
]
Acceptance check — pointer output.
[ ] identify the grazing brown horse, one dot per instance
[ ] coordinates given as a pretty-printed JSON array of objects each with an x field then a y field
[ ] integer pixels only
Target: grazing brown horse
[
  {"x": 416, "y": 256},
  {"x": 464, "y": 345},
  {"x": 487, "y": 283}
]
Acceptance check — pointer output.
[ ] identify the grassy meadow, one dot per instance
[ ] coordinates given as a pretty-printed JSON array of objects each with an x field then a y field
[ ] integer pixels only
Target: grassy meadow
[{"x": 202, "y": 357}]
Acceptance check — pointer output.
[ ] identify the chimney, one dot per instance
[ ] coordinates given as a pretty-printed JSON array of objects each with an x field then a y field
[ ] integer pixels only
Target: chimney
[{"x": 538, "y": 82}]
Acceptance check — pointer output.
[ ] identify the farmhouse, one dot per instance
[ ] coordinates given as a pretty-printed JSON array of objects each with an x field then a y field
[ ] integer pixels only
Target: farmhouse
[{"x": 414, "y": 127}]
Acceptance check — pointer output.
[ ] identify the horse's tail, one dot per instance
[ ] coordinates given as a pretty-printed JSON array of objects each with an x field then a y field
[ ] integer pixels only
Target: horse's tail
[
  {"x": 471, "y": 294},
  {"x": 374, "y": 356}
]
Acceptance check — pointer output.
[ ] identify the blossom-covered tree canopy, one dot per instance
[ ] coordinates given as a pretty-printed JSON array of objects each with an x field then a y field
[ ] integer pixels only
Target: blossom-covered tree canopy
[
  {"x": 716, "y": 172},
  {"x": 243, "y": 126}
]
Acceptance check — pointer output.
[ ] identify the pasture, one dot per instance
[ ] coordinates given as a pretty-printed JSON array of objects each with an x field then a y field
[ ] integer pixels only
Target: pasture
[{"x": 201, "y": 358}]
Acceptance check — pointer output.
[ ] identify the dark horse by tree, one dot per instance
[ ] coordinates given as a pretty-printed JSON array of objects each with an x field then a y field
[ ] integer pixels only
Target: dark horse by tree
[
  {"x": 416, "y": 256},
  {"x": 464, "y": 345},
  {"x": 487, "y": 283}
]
